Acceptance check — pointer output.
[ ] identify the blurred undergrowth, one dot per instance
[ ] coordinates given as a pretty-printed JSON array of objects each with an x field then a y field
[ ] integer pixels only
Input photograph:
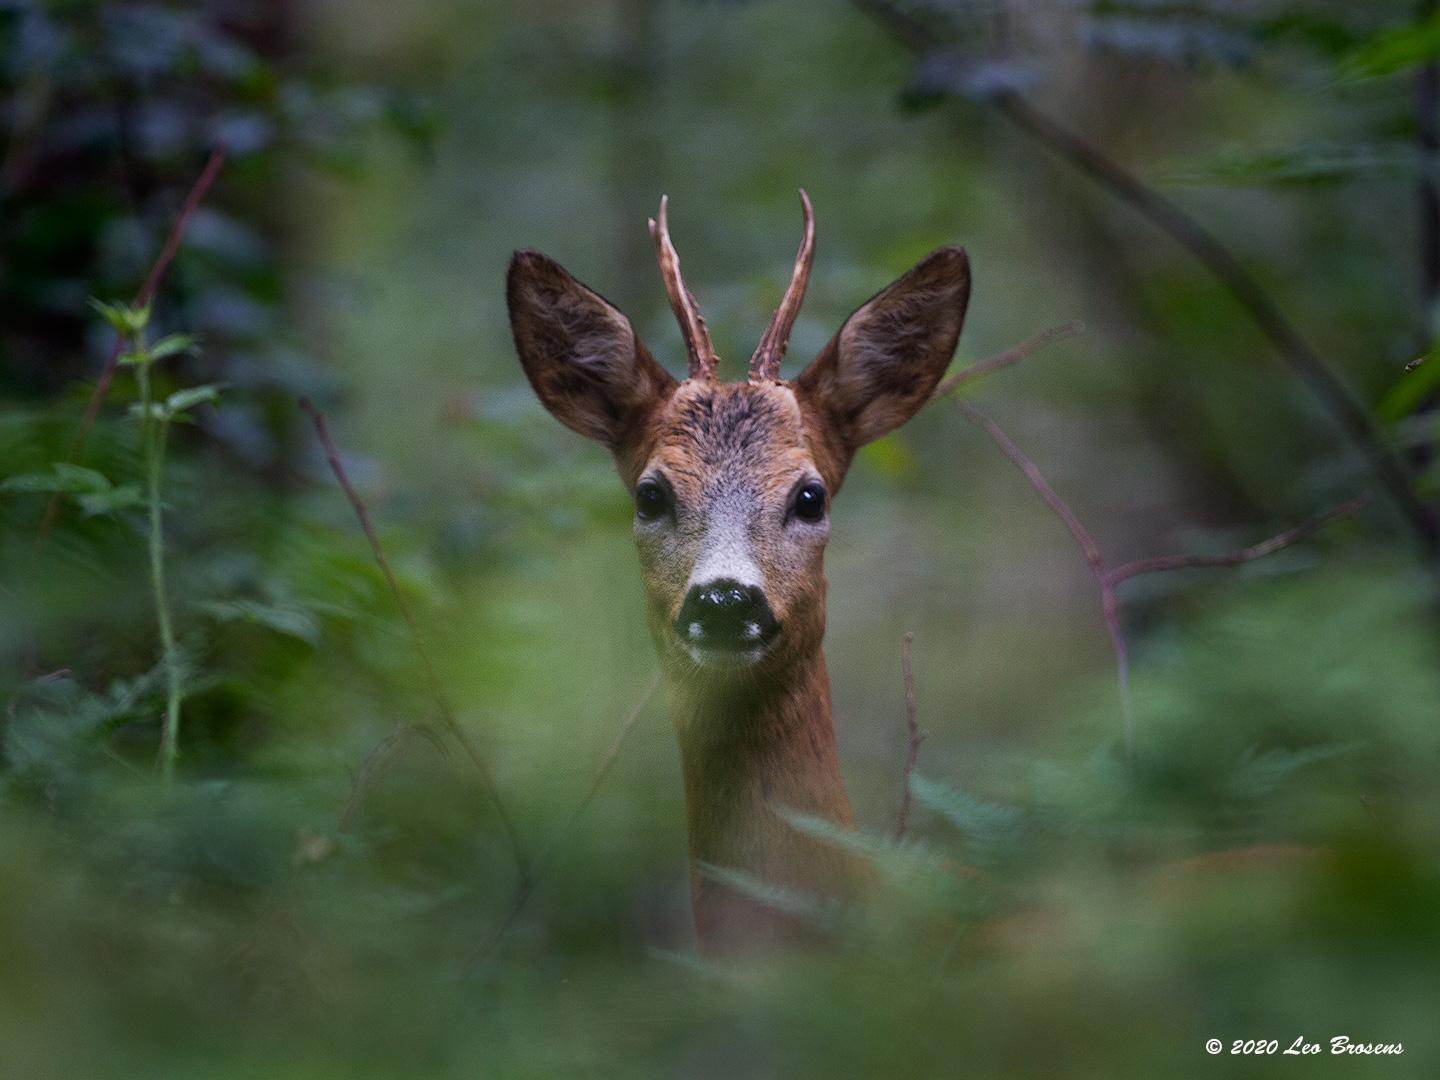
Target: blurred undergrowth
[{"x": 293, "y": 904}]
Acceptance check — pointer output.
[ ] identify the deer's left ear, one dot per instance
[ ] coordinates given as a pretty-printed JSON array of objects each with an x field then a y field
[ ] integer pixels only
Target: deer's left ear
[{"x": 887, "y": 359}]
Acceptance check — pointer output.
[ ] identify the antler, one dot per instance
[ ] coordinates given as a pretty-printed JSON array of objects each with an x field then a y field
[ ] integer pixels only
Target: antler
[
  {"x": 765, "y": 364},
  {"x": 703, "y": 360}
]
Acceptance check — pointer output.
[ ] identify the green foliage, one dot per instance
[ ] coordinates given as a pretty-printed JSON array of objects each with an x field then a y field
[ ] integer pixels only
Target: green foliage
[
  {"x": 93, "y": 493},
  {"x": 325, "y": 889},
  {"x": 1394, "y": 49}
]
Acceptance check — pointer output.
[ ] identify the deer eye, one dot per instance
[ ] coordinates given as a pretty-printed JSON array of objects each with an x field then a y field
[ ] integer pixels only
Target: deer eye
[
  {"x": 651, "y": 501},
  {"x": 810, "y": 502}
]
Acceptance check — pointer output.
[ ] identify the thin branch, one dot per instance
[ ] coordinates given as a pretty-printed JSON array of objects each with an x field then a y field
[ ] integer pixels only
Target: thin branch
[
  {"x": 1037, "y": 480},
  {"x": 1162, "y": 563},
  {"x": 1347, "y": 413},
  {"x": 1107, "y": 580},
  {"x": 432, "y": 677},
  {"x": 603, "y": 771},
  {"x": 912, "y": 754},
  {"x": 379, "y": 761},
  {"x": 146, "y": 294},
  {"x": 557, "y": 845},
  {"x": 1012, "y": 355},
  {"x": 1109, "y": 608}
]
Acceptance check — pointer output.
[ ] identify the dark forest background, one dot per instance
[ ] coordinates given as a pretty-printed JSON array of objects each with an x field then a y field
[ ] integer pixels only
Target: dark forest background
[{"x": 1231, "y": 209}]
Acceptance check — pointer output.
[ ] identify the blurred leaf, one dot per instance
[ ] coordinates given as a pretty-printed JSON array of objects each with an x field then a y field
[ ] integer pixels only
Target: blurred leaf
[
  {"x": 177, "y": 403},
  {"x": 170, "y": 345},
  {"x": 125, "y": 318},
  {"x": 63, "y": 477},
  {"x": 814, "y": 910},
  {"x": 1313, "y": 163},
  {"x": 993, "y": 832},
  {"x": 121, "y": 497},
  {"x": 1391, "y": 51},
  {"x": 1419, "y": 380},
  {"x": 1261, "y": 772},
  {"x": 289, "y": 619}
]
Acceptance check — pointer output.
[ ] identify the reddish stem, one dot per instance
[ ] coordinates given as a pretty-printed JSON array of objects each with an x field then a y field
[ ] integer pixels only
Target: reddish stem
[
  {"x": 1012, "y": 355},
  {"x": 432, "y": 676},
  {"x": 162, "y": 262},
  {"x": 913, "y": 729}
]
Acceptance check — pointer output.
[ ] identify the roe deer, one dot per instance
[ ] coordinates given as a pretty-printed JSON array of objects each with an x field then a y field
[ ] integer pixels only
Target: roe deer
[{"x": 732, "y": 485}]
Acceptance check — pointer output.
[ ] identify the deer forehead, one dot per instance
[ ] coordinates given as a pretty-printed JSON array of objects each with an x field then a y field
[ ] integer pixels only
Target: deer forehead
[{"x": 721, "y": 443}]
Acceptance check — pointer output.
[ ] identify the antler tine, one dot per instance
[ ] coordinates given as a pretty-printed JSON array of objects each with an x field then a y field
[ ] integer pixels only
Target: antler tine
[
  {"x": 765, "y": 364},
  {"x": 703, "y": 360}
]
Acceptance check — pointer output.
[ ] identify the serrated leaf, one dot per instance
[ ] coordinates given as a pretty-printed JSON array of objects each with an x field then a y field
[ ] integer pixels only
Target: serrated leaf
[
  {"x": 909, "y": 864},
  {"x": 992, "y": 831},
  {"x": 780, "y": 898}
]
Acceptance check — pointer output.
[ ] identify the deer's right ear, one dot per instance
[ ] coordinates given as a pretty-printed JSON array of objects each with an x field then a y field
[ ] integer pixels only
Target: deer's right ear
[{"x": 580, "y": 353}]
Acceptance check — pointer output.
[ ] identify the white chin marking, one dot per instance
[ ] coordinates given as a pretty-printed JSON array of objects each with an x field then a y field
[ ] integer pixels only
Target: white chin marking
[{"x": 723, "y": 658}]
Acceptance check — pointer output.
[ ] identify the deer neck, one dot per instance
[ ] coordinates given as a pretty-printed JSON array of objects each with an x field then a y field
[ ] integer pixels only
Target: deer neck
[{"x": 749, "y": 753}]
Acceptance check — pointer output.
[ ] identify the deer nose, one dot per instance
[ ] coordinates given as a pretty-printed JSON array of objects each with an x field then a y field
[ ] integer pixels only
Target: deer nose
[{"x": 726, "y": 615}]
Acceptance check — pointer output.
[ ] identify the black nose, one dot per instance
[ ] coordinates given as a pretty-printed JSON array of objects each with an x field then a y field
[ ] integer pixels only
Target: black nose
[{"x": 726, "y": 615}]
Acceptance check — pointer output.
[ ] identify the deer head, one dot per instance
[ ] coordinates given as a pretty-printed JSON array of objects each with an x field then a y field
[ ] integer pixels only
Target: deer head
[
  {"x": 733, "y": 481},
  {"x": 732, "y": 484}
]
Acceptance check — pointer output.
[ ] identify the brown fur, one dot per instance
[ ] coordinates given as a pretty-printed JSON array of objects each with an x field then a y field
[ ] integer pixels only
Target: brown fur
[{"x": 756, "y": 737}]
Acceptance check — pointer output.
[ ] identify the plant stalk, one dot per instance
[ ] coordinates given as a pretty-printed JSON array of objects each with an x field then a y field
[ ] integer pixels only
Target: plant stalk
[{"x": 153, "y": 435}]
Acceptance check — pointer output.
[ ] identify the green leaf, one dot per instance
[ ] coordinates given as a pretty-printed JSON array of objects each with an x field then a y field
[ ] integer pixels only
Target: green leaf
[
  {"x": 1304, "y": 164},
  {"x": 171, "y": 345},
  {"x": 125, "y": 318},
  {"x": 157, "y": 410},
  {"x": 63, "y": 478},
  {"x": 1261, "y": 772},
  {"x": 992, "y": 831},
  {"x": 1391, "y": 51},
  {"x": 188, "y": 398},
  {"x": 122, "y": 497},
  {"x": 288, "y": 619},
  {"x": 93, "y": 491},
  {"x": 1420, "y": 377},
  {"x": 783, "y": 899}
]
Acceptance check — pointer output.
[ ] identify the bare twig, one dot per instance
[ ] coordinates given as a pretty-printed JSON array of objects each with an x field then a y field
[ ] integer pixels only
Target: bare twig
[
  {"x": 1108, "y": 607},
  {"x": 912, "y": 729},
  {"x": 146, "y": 294},
  {"x": 557, "y": 844},
  {"x": 432, "y": 677},
  {"x": 1161, "y": 563},
  {"x": 1012, "y": 355},
  {"x": 1107, "y": 580},
  {"x": 1347, "y": 413},
  {"x": 603, "y": 771},
  {"x": 379, "y": 761}
]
